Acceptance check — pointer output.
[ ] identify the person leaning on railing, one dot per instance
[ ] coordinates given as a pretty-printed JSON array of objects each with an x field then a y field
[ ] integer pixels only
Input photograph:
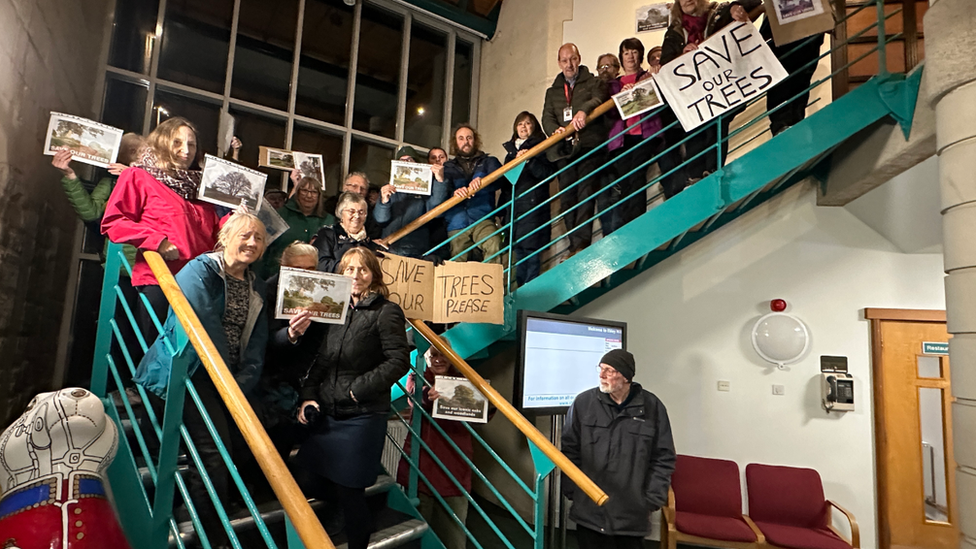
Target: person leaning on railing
[
  {"x": 439, "y": 518},
  {"x": 629, "y": 149},
  {"x": 333, "y": 241},
  {"x": 346, "y": 396},
  {"x": 228, "y": 298},
  {"x": 467, "y": 224},
  {"x": 154, "y": 207},
  {"x": 395, "y": 210},
  {"x": 692, "y": 22},
  {"x": 305, "y": 214},
  {"x": 526, "y": 133}
]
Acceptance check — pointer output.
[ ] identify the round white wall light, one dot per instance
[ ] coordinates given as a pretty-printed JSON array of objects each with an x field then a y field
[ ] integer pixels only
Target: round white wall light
[{"x": 780, "y": 338}]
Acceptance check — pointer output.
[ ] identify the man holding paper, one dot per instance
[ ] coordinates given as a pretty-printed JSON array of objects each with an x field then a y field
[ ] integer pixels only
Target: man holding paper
[{"x": 395, "y": 210}]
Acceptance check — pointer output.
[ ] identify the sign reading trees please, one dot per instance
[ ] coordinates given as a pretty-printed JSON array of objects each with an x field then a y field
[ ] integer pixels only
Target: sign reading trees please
[{"x": 452, "y": 292}]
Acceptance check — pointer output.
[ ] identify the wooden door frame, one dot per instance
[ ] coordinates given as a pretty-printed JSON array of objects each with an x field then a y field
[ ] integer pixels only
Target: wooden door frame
[{"x": 877, "y": 316}]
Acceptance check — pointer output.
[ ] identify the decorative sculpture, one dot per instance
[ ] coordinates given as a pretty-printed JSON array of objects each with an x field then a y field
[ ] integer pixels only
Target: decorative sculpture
[{"x": 51, "y": 464}]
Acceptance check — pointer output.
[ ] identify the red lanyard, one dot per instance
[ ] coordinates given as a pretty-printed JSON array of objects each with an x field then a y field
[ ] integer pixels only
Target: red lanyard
[{"x": 569, "y": 94}]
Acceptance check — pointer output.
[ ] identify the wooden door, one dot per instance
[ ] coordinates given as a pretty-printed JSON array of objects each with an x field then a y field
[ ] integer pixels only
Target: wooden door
[{"x": 916, "y": 480}]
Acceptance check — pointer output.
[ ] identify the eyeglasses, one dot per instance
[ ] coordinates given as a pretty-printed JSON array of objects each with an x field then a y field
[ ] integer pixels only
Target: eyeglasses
[
  {"x": 354, "y": 213},
  {"x": 604, "y": 67},
  {"x": 309, "y": 191},
  {"x": 605, "y": 371}
]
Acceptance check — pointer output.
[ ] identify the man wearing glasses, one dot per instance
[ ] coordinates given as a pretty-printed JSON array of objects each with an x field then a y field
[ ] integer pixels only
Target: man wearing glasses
[
  {"x": 620, "y": 436},
  {"x": 356, "y": 182}
]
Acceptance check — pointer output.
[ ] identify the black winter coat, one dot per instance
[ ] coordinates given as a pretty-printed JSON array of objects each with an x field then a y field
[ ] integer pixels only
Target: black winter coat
[
  {"x": 719, "y": 15},
  {"x": 628, "y": 453},
  {"x": 536, "y": 170},
  {"x": 333, "y": 242},
  {"x": 588, "y": 93},
  {"x": 366, "y": 355}
]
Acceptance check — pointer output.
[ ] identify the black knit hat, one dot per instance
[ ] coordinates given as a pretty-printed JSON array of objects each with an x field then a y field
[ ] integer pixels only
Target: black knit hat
[{"x": 622, "y": 361}]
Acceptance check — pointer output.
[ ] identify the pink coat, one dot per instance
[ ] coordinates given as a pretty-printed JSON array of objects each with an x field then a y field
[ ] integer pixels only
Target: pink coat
[{"x": 142, "y": 212}]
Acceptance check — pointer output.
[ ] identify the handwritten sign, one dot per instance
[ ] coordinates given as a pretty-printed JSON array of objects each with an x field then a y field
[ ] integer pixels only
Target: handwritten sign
[
  {"x": 411, "y": 285},
  {"x": 469, "y": 292},
  {"x": 725, "y": 71}
]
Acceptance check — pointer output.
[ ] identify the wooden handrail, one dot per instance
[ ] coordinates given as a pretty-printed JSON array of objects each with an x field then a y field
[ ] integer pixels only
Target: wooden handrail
[
  {"x": 505, "y": 407},
  {"x": 307, "y": 525},
  {"x": 493, "y": 176}
]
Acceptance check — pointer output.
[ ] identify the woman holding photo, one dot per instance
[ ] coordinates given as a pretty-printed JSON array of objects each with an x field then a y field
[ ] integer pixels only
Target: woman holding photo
[
  {"x": 346, "y": 396},
  {"x": 154, "y": 207},
  {"x": 333, "y": 241}
]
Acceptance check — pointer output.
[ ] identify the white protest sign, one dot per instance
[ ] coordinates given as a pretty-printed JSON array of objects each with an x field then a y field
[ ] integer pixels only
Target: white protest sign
[{"x": 726, "y": 70}]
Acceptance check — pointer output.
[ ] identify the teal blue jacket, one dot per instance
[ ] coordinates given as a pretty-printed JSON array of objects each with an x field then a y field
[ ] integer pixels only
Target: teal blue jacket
[{"x": 203, "y": 283}]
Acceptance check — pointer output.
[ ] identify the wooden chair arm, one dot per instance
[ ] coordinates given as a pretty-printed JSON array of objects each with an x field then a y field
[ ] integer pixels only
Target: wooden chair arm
[
  {"x": 760, "y": 538},
  {"x": 668, "y": 511},
  {"x": 855, "y": 540}
]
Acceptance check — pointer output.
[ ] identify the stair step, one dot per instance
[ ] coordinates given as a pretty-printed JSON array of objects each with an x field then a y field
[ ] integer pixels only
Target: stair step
[{"x": 395, "y": 536}]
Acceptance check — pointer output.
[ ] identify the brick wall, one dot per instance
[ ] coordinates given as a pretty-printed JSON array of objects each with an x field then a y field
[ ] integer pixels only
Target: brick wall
[{"x": 49, "y": 59}]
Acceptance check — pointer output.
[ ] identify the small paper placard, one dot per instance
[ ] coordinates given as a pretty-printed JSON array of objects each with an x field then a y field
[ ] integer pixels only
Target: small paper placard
[
  {"x": 89, "y": 141},
  {"x": 274, "y": 225},
  {"x": 652, "y": 17},
  {"x": 278, "y": 159},
  {"x": 227, "y": 183},
  {"x": 326, "y": 295},
  {"x": 411, "y": 177},
  {"x": 459, "y": 400},
  {"x": 644, "y": 96}
]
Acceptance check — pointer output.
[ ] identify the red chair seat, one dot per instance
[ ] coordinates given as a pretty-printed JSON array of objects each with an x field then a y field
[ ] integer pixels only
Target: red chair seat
[
  {"x": 794, "y": 537},
  {"x": 712, "y": 527}
]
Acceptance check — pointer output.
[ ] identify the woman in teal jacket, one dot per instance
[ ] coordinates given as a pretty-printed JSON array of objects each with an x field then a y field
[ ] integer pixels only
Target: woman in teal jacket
[
  {"x": 228, "y": 298},
  {"x": 305, "y": 214}
]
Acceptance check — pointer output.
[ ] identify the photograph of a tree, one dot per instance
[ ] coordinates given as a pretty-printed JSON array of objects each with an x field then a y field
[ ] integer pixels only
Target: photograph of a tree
[{"x": 234, "y": 184}]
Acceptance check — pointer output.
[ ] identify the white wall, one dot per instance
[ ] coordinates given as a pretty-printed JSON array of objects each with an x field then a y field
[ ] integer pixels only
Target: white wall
[{"x": 689, "y": 320}]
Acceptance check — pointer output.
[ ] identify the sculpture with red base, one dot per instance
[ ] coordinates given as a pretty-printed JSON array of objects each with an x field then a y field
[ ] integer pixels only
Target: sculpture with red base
[{"x": 51, "y": 464}]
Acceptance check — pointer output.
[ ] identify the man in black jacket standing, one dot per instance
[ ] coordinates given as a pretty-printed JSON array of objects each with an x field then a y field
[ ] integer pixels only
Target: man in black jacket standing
[
  {"x": 620, "y": 436},
  {"x": 572, "y": 97}
]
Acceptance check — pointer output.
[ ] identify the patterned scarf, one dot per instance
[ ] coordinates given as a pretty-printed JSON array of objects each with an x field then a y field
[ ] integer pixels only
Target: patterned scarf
[
  {"x": 185, "y": 183},
  {"x": 695, "y": 26}
]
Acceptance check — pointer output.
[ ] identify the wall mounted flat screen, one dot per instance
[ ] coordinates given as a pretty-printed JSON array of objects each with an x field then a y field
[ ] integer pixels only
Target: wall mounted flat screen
[{"x": 558, "y": 359}]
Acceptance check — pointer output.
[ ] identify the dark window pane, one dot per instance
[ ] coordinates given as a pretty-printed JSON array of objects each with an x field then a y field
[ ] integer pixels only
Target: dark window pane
[
  {"x": 196, "y": 39},
  {"x": 323, "y": 73},
  {"x": 372, "y": 159},
  {"x": 125, "y": 105},
  {"x": 85, "y": 323},
  {"x": 461, "y": 105},
  {"x": 205, "y": 116},
  {"x": 265, "y": 51},
  {"x": 133, "y": 35},
  {"x": 378, "y": 72},
  {"x": 255, "y": 131},
  {"x": 425, "y": 86},
  {"x": 316, "y": 141}
]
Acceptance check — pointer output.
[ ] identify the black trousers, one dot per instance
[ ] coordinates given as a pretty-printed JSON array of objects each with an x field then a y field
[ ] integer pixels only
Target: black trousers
[
  {"x": 699, "y": 155},
  {"x": 591, "y": 539},
  {"x": 634, "y": 152},
  {"x": 798, "y": 60},
  {"x": 580, "y": 230},
  {"x": 160, "y": 306},
  {"x": 352, "y": 501}
]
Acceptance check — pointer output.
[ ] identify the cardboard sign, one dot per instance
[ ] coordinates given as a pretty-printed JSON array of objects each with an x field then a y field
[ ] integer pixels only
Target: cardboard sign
[
  {"x": 411, "y": 284},
  {"x": 452, "y": 292},
  {"x": 725, "y": 71},
  {"x": 469, "y": 292},
  {"x": 793, "y": 20}
]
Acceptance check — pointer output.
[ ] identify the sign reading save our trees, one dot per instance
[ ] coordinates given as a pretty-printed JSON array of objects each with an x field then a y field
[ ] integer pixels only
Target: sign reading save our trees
[
  {"x": 723, "y": 73},
  {"x": 452, "y": 292}
]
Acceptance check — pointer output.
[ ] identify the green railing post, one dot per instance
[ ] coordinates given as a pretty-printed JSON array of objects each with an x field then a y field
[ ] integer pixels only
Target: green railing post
[
  {"x": 882, "y": 53},
  {"x": 416, "y": 425},
  {"x": 106, "y": 312},
  {"x": 543, "y": 468}
]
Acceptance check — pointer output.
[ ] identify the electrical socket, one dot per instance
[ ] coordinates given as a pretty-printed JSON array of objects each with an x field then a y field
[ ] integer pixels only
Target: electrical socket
[
  {"x": 779, "y": 390},
  {"x": 724, "y": 386}
]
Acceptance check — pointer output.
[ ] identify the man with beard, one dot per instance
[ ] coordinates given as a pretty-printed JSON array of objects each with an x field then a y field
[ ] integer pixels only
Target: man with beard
[
  {"x": 607, "y": 67},
  {"x": 620, "y": 436},
  {"x": 469, "y": 223}
]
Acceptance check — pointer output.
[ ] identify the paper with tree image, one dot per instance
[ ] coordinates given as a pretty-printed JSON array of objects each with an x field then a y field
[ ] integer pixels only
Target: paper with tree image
[
  {"x": 459, "y": 400},
  {"x": 227, "y": 183},
  {"x": 325, "y": 295},
  {"x": 411, "y": 177},
  {"x": 89, "y": 141}
]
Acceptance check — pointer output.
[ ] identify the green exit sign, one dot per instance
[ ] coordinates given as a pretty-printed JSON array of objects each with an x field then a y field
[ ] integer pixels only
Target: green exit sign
[{"x": 935, "y": 348}]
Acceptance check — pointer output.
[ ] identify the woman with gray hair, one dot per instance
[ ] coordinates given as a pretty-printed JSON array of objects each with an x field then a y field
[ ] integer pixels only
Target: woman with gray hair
[{"x": 333, "y": 241}]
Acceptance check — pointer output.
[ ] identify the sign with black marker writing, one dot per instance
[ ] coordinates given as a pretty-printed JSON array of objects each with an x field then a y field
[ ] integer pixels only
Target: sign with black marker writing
[
  {"x": 727, "y": 70},
  {"x": 411, "y": 285},
  {"x": 469, "y": 292}
]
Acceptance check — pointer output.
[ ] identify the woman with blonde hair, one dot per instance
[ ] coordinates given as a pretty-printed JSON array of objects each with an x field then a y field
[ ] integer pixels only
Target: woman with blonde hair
[
  {"x": 228, "y": 298},
  {"x": 346, "y": 395},
  {"x": 154, "y": 207}
]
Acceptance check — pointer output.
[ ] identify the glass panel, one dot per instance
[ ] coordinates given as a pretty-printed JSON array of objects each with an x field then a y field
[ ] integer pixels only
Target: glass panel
[
  {"x": 254, "y": 131},
  {"x": 196, "y": 39},
  {"x": 929, "y": 366},
  {"x": 461, "y": 103},
  {"x": 315, "y": 141},
  {"x": 933, "y": 454},
  {"x": 425, "y": 86},
  {"x": 125, "y": 105},
  {"x": 323, "y": 72},
  {"x": 133, "y": 34},
  {"x": 371, "y": 158},
  {"x": 205, "y": 116},
  {"x": 84, "y": 324},
  {"x": 378, "y": 72},
  {"x": 265, "y": 52}
]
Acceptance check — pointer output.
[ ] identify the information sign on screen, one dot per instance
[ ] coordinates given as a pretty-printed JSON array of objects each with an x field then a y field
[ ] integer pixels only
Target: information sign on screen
[{"x": 559, "y": 358}]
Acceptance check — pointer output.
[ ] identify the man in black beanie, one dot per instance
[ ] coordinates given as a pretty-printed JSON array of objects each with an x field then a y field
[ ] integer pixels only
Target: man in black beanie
[{"x": 629, "y": 453}]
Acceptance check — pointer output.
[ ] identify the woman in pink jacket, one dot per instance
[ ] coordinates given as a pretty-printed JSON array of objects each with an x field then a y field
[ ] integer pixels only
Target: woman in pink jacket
[{"x": 154, "y": 207}]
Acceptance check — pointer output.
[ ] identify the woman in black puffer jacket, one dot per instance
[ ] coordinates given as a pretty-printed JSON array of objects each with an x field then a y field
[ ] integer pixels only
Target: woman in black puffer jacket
[{"x": 348, "y": 386}]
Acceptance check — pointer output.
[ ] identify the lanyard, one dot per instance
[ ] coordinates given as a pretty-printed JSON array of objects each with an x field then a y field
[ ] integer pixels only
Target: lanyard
[{"x": 569, "y": 94}]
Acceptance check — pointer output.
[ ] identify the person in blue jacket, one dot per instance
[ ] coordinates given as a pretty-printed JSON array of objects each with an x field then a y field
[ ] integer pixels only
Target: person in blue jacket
[
  {"x": 229, "y": 300},
  {"x": 468, "y": 223},
  {"x": 394, "y": 210}
]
